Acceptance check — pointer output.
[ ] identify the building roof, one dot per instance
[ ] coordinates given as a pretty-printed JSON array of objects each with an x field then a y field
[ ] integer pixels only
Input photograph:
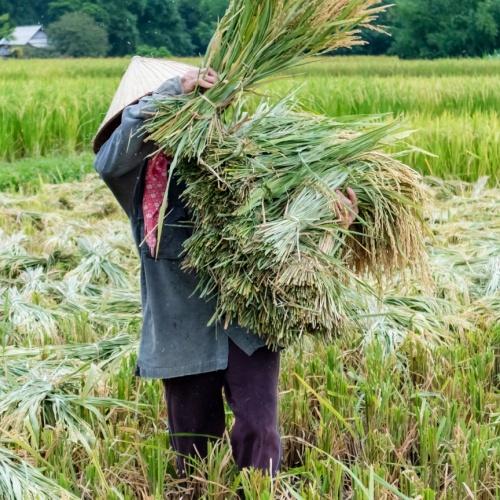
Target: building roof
[{"x": 21, "y": 35}]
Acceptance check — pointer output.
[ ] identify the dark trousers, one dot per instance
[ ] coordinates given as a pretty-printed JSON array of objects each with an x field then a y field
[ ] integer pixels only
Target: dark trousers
[{"x": 196, "y": 410}]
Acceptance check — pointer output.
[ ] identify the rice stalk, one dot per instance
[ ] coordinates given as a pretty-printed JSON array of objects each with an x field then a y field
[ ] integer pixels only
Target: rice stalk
[
  {"x": 26, "y": 315},
  {"x": 103, "y": 304},
  {"x": 57, "y": 398},
  {"x": 21, "y": 480},
  {"x": 253, "y": 42},
  {"x": 97, "y": 264},
  {"x": 103, "y": 351}
]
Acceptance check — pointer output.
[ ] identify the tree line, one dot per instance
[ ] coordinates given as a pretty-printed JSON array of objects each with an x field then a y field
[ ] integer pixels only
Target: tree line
[{"x": 418, "y": 28}]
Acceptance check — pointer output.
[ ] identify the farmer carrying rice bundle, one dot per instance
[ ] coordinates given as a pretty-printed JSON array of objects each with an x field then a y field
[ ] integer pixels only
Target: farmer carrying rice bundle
[
  {"x": 195, "y": 361},
  {"x": 252, "y": 230}
]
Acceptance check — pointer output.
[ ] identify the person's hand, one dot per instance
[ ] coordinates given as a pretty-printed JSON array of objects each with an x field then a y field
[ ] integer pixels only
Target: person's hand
[
  {"x": 204, "y": 78},
  {"x": 346, "y": 208}
]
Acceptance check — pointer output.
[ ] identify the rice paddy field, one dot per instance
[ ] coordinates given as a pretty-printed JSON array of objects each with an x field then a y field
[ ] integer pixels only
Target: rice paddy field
[
  {"x": 452, "y": 105},
  {"x": 407, "y": 407}
]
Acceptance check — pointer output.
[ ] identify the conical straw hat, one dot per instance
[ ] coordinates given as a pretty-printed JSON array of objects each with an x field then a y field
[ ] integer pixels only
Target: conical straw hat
[{"x": 143, "y": 76}]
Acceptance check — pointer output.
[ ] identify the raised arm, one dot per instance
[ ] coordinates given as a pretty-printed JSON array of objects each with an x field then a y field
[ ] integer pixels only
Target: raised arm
[{"x": 121, "y": 153}]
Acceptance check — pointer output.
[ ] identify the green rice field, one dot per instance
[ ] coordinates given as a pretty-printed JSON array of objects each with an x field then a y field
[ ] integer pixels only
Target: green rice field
[
  {"x": 55, "y": 106},
  {"x": 407, "y": 407}
]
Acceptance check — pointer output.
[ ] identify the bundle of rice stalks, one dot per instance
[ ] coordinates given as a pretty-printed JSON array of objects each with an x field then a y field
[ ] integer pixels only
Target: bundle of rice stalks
[
  {"x": 20, "y": 479},
  {"x": 13, "y": 255},
  {"x": 262, "y": 187},
  {"x": 25, "y": 315},
  {"x": 267, "y": 240},
  {"x": 61, "y": 398},
  {"x": 104, "y": 351},
  {"x": 254, "y": 41},
  {"x": 97, "y": 264}
]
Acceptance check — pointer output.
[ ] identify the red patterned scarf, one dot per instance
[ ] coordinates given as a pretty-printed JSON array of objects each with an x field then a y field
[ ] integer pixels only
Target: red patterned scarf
[{"x": 155, "y": 185}]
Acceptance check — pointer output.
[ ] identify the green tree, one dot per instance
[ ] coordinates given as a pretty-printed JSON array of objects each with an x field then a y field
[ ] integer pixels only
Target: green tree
[
  {"x": 76, "y": 34},
  {"x": 118, "y": 17},
  {"x": 214, "y": 10},
  {"x": 148, "y": 51},
  {"x": 445, "y": 28},
  {"x": 201, "y": 20},
  {"x": 183, "y": 27},
  {"x": 161, "y": 25},
  {"x": 5, "y": 26},
  {"x": 25, "y": 11}
]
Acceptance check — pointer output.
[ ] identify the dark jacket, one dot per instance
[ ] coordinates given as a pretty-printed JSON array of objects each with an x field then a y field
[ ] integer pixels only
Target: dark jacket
[{"x": 175, "y": 338}]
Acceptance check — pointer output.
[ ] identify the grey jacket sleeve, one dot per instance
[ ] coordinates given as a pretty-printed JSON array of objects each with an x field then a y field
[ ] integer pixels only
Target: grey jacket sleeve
[{"x": 124, "y": 151}]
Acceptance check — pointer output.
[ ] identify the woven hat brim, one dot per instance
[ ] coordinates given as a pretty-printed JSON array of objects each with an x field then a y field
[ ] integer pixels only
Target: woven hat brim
[{"x": 143, "y": 76}]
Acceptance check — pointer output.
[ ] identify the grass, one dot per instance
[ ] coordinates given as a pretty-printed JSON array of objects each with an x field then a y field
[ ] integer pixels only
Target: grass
[
  {"x": 50, "y": 107},
  {"x": 404, "y": 409},
  {"x": 29, "y": 174}
]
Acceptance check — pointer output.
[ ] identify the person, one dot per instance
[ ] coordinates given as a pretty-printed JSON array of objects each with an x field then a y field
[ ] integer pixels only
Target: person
[{"x": 195, "y": 362}]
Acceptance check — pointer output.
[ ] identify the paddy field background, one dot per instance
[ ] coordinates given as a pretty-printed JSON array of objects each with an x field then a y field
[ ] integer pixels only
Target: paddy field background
[
  {"x": 49, "y": 107},
  {"x": 407, "y": 407}
]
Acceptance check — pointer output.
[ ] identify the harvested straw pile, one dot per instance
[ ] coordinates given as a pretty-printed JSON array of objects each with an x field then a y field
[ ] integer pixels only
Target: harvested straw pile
[{"x": 262, "y": 187}]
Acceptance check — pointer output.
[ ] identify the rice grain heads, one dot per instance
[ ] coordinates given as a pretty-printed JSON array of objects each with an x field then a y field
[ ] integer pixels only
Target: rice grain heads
[{"x": 262, "y": 187}]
